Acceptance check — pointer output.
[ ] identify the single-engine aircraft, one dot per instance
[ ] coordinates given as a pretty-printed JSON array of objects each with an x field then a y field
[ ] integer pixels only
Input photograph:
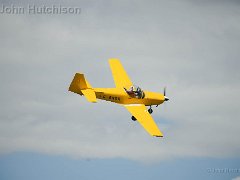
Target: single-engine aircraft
[{"x": 132, "y": 97}]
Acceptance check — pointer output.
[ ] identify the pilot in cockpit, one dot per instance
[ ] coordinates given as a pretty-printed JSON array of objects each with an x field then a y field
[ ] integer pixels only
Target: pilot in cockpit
[
  {"x": 138, "y": 92},
  {"x": 135, "y": 92},
  {"x": 130, "y": 91}
]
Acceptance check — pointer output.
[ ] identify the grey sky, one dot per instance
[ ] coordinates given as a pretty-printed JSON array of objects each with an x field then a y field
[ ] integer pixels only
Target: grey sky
[{"x": 192, "y": 47}]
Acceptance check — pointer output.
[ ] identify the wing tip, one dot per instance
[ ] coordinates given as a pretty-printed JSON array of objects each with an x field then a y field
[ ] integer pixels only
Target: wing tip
[
  {"x": 113, "y": 60},
  {"x": 160, "y": 136}
]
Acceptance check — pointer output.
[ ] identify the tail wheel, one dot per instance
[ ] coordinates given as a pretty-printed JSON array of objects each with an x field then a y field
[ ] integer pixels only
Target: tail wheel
[{"x": 133, "y": 118}]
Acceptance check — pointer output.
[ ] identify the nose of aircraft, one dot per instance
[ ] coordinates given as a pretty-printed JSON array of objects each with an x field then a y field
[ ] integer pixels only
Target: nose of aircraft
[{"x": 166, "y": 98}]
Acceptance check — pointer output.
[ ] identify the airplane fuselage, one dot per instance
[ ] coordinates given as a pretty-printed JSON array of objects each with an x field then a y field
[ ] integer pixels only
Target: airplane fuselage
[{"x": 118, "y": 95}]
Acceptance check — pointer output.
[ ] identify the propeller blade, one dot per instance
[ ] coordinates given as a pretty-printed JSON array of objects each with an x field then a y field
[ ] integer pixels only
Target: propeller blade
[{"x": 164, "y": 93}]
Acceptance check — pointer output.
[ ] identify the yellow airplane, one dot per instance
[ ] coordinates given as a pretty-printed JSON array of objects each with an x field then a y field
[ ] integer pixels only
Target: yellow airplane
[{"x": 125, "y": 93}]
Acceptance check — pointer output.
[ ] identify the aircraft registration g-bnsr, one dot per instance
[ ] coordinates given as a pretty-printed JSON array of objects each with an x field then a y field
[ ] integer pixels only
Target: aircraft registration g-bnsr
[{"x": 132, "y": 97}]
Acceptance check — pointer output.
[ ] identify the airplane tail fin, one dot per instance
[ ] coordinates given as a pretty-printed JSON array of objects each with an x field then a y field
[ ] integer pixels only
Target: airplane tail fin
[{"x": 81, "y": 86}]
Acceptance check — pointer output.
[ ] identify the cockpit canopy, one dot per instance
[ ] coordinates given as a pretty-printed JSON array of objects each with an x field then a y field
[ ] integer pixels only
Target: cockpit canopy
[{"x": 135, "y": 92}]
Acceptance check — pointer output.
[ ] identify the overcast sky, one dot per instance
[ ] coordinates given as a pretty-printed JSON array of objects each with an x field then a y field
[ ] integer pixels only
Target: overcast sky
[{"x": 191, "y": 47}]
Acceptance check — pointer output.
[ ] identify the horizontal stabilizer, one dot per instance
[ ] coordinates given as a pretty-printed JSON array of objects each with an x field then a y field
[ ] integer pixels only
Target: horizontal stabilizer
[{"x": 90, "y": 95}]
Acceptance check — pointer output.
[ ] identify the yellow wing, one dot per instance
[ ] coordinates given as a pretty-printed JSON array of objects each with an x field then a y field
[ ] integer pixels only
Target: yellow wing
[
  {"x": 120, "y": 76},
  {"x": 140, "y": 112}
]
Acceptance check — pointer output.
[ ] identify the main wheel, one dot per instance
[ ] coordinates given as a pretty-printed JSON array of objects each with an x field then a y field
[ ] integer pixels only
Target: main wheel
[
  {"x": 133, "y": 118},
  {"x": 150, "y": 111}
]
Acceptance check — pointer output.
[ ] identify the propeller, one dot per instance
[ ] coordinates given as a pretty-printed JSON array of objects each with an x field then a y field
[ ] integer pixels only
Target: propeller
[{"x": 164, "y": 93}]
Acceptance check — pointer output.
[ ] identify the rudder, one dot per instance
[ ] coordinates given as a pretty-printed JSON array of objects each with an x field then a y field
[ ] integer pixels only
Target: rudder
[{"x": 81, "y": 86}]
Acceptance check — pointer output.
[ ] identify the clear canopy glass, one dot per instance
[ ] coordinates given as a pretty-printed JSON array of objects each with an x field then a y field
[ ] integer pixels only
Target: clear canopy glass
[{"x": 135, "y": 91}]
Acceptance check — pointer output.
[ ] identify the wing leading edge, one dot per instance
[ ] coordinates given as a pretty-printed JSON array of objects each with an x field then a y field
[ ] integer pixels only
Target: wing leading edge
[
  {"x": 139, "y": 111},
  {"x": 120, "y": 76}
]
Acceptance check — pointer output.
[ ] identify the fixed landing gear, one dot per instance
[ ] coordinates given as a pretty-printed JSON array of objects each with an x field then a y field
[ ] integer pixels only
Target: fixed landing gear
[
  {"x": 150, "y": 110},
  {"x": 133, "y": 118}
]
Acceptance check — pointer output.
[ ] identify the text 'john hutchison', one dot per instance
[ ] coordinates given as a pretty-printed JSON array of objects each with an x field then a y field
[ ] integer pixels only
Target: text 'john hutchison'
[{"x": 43, "y": 9}]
